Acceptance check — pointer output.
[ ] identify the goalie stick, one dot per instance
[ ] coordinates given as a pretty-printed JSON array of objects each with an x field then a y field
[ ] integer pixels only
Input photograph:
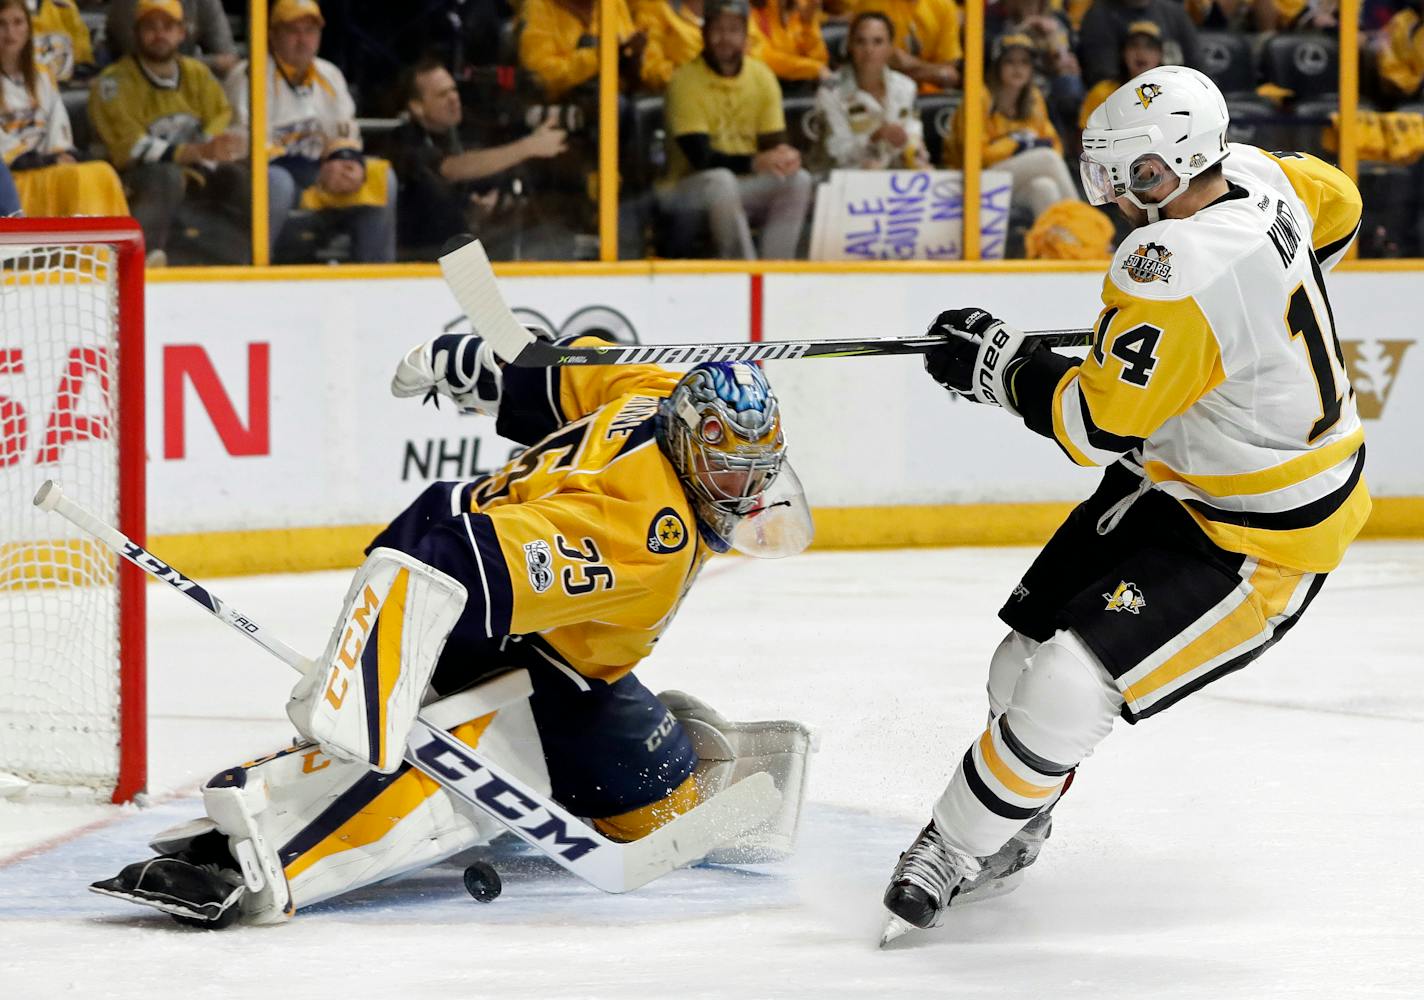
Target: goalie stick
[
  {"x": 468, "y": 273},
  {"x": 470, "y": 776}
]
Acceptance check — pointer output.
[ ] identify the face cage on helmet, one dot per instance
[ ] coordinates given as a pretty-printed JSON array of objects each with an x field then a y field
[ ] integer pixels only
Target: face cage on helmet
[
  {"x": 1145, "y": 172},
  {"x": 700, "y": 467}
]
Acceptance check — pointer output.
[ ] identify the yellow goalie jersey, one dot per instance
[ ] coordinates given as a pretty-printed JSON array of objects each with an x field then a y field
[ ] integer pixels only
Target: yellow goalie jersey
[
  {"x": 1216, "y": 366},
  {"x": 587, "y": 538}
]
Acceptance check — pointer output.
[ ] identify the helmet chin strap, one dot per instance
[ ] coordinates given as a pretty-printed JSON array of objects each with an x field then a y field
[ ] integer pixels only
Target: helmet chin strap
[{"x": 1154, "y": 213}]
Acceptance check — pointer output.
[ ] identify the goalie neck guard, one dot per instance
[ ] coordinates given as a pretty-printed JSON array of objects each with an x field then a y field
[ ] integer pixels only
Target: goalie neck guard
[
  {"x": 1168, "y": 121},
  {"x": 721, "y": 429}
]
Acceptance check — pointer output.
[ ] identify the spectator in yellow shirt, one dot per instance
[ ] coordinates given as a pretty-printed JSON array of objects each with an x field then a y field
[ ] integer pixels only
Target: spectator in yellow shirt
[
  {"x": 165, "y": 122},
  {"x": 731, "y": 162},
  {"x": 1141, "y": 51},
  {"x": 928, "y": 48},
  {"x": 35, "y": 138},
  {"x": 674, "y": 32},
  {"x": 786, "y": 35},
  {"x": 559, "y": 44},
  {"x": 1018, "y": 137}
]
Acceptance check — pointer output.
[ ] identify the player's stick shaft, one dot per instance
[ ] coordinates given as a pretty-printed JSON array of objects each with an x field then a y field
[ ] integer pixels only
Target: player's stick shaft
[
  {"x": 468, "y": 273},
  {"x": 51, "y": 498}
]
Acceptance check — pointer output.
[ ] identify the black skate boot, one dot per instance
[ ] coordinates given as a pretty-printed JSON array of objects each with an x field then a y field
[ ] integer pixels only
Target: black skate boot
[{"x": 927, "y": 877}]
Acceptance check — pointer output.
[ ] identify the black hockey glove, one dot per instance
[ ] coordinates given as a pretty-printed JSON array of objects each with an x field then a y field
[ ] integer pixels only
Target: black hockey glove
[{"x": 975, "y": 355}]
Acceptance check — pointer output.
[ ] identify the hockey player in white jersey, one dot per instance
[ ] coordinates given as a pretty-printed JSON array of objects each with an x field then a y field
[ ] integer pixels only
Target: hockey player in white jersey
[{"x": 1216, "y": 395}]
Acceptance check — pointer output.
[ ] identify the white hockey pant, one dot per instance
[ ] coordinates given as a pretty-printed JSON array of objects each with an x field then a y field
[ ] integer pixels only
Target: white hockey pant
[{"x": 1050, "y": 705}]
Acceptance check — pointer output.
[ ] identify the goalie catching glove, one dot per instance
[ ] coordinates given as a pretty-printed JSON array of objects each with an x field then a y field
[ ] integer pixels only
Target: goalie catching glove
[
  {"x": 977, "y": 358},
  {"x": 460, "y": 367}
]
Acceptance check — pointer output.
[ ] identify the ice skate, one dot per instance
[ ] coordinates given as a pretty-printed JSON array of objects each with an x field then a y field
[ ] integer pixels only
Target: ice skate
[
  {"x": 927, "y": 877},
  {"x": 1002, "y": 871}
]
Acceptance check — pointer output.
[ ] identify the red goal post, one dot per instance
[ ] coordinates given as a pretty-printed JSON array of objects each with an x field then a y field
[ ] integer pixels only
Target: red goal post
[{"x": 73, "y": 676}]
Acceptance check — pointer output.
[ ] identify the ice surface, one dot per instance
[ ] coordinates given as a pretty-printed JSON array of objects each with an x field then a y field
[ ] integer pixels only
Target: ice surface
[{"x": 1259, "y": 840}]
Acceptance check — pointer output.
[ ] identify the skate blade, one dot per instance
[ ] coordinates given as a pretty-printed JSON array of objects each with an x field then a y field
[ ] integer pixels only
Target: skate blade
[{"x": 894, "y": 928}]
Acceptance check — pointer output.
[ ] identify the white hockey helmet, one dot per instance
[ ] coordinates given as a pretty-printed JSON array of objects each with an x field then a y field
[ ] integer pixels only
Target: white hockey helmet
[{"x": 1169, "y": 120}]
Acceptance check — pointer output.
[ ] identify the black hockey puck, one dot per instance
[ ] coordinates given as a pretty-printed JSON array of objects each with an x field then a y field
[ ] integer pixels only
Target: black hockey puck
[{"x": 482, "y": 882}]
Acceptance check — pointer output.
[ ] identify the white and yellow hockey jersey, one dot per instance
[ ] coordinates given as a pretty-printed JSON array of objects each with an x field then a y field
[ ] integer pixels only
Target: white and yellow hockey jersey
[
  {"x": 1217, "y": 368},
  {"x": 32, "y": 124},
  {"x": 305, "y": 112}
]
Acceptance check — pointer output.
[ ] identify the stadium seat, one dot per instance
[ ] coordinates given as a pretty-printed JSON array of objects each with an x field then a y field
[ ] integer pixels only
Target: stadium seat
[
  {"x": 1306, "y": 65},
  {"x": 1390, "y": 224},
  {"x": 1226, "y": 58},
  {"x": 803, "y": 122},
  {"x": 936, "y": 112},
  {"x": 644, "y": 143},
  {"x": 76, "y": 104},
  {"x": 1312, "y": 118}
]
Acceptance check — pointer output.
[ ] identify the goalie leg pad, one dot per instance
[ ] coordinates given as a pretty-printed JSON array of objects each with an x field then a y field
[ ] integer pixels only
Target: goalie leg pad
[
  {"x": 730, "y": 751},
  {"x": 360, "y": 701}
]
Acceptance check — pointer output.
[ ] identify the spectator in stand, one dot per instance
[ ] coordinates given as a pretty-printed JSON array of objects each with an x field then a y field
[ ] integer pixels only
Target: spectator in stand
[
  {"x": 439, "y": 194},
  {"x": 209, "y": 34},
  {"x": 868, "y": 108},
  {"x": 928, "y": 48},
  {"x": 35, "y": 139},
  {"x": 62, "y": 44},
  {"x": 315, "y": 147},
  {"x": 165, "y": 123},
  {"x": 1141, "y": 51},
  {"x": 1058, "y": 74},
  {"x": 1299, "y": 15},
  {"x": 1018, "y": 137},
  {"x": 9, "y": 197},
  {"x": 730, "y": 157},
  {"x": 674, "y": 32},
  {"x": 1233, "y": 15},
  {"x": 786, "y": 35},
  {"x": 1105, "y": 28},
  {"x": 559, "y": 45},
  {"x": 1399, "y": 55}
]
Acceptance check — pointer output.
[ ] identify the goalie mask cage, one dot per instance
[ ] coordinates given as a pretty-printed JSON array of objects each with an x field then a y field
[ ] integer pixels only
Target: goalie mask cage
[{"x": 72, "y": 629}]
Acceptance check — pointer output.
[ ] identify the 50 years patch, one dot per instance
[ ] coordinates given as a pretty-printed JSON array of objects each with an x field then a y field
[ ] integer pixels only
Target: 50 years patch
[{"x": 667, "y": 533}]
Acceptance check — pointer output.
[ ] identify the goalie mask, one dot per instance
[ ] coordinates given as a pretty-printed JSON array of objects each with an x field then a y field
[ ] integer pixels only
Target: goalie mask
[
  {"x": 1168, "y": 122},
  {"x": 721, "y": 429}
]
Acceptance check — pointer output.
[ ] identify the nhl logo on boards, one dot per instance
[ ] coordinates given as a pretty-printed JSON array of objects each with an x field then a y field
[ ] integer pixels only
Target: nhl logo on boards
[
  {"x": 667, "y": 533},
  {"x": 539, "y": 561},
  {"x": 1149, "y": 262},
  {"x": 1125, "y": 598},
  {"x": 1147, "y": 93}
]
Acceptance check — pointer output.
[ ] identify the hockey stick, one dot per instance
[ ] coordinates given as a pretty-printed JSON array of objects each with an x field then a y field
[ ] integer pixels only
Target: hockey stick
[
  {"x": 467, "y": 271},
  {"x": 471, "y": 777}
]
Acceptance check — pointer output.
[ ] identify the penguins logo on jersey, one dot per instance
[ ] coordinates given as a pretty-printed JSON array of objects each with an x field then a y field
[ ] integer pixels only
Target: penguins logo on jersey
[
  {"x": 667, "y": 533},
  {"x": 1149, "y": 263},
  {"x": 539, "y": 560},
  {"x": 1125, "y": 598},
  {"x": 1147, "y": 93}
]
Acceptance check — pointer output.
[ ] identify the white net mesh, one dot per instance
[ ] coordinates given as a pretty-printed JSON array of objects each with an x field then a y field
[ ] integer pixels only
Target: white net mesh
[{"x": 59, "y": 619}]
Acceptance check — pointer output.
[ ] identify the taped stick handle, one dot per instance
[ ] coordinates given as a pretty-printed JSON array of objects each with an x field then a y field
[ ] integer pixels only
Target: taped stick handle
[{"x": 51, "y": 498}]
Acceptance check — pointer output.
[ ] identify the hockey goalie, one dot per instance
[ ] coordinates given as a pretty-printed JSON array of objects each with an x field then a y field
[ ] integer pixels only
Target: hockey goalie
[{"x": 551, "y": 578}]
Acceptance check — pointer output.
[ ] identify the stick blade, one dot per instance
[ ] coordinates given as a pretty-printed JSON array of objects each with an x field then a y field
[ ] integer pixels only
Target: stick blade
[
  {"x": 704, "y": 828},
  {"x": 471, "y": 279}
]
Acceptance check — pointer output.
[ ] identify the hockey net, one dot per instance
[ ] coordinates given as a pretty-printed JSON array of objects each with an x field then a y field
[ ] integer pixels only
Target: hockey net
[{"x": 71, "y": 409}]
